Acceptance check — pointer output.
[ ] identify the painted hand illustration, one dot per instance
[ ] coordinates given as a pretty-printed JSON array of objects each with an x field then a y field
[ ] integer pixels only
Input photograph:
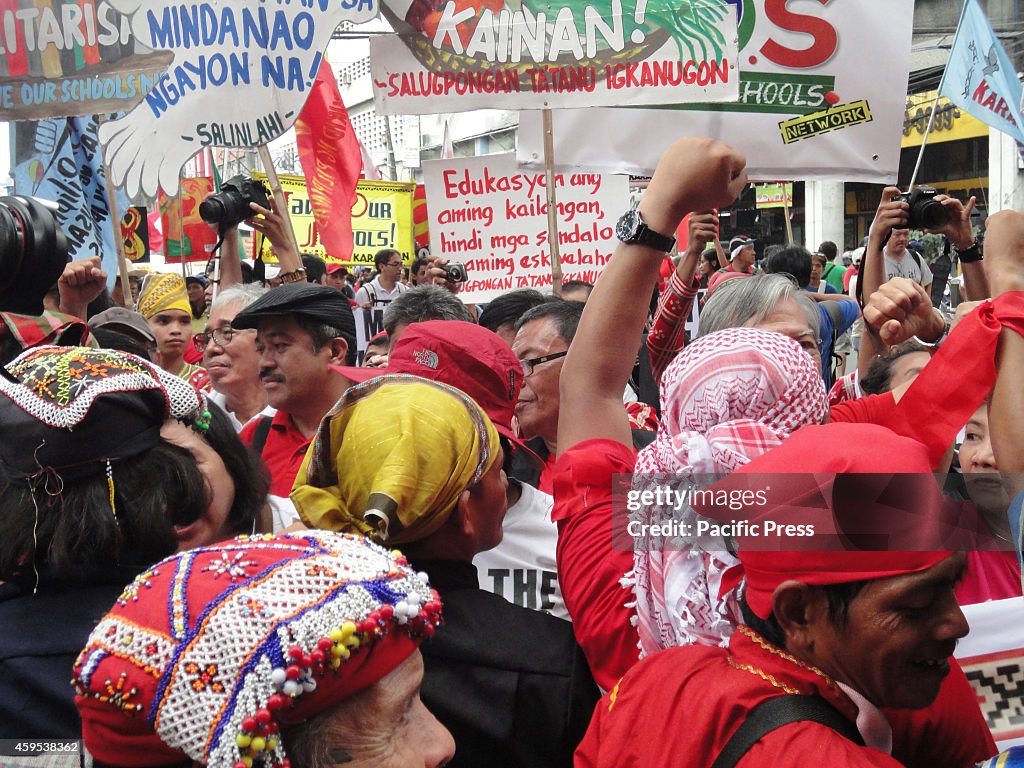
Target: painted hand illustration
[{"x": 241, "y": 71}]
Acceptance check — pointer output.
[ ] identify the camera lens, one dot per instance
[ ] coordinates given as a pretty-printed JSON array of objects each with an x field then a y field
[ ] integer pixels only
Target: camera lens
[
  {"x": 33, "y": 253},
  {"x": 231, "y": 205},
  {"x": 929, "y": 214}
]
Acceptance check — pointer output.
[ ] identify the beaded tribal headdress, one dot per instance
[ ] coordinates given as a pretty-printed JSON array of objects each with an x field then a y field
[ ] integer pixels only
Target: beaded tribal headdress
[{"x": 210, "y": 653}]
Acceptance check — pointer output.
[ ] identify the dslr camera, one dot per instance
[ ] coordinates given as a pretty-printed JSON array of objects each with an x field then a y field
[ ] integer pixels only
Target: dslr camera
[
  {"x": 925, "y": 211},
  {"x": 230, "y": 206},
  {"x": 455, "y": 273},
  {"x": 33, "y": 253}
]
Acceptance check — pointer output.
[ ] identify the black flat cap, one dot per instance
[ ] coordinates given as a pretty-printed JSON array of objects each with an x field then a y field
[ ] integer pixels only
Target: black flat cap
[{"x": 320, "y": 302}]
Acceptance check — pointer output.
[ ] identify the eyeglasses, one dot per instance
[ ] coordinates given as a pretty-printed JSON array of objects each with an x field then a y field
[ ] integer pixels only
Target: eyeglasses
[
  {"x": 395, "y": 264},
  {"x": 529, "y": 365},
  {"x": 220, "y": 336}
]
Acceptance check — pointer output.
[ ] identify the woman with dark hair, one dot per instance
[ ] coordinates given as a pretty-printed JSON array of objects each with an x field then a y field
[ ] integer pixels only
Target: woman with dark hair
[{"x": 107, "y": 464}]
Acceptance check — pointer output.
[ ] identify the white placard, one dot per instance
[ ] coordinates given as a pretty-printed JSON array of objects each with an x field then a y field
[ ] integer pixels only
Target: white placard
[
  {"x": 492, "y": 216},
  {"x": 528, "y": 55},
  {"x": 822, "y": 92}
]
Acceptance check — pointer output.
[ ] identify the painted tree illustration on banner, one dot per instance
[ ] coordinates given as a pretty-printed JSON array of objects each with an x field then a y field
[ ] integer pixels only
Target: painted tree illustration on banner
[
  {"x": 694, "y": 27},
  {"x": 534, "y": 54}
]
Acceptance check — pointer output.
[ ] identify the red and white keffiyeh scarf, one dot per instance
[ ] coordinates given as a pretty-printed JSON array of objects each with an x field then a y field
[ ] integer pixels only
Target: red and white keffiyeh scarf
[{"x": 727, "y": 398}]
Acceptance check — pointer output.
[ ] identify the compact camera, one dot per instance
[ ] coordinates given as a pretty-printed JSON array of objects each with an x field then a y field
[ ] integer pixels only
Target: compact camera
[
  {"x": 230, "y": 206},
  {"x": 455, "y": 273}
]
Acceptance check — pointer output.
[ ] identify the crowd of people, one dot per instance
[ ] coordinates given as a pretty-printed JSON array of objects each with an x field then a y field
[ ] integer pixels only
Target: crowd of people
[{"x": 248, "y": 543}]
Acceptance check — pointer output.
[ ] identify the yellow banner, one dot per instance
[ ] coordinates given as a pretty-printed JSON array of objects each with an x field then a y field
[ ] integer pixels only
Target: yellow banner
[
  {"x": 950, "y": 124},
  {"x": 381, "y": 218}
]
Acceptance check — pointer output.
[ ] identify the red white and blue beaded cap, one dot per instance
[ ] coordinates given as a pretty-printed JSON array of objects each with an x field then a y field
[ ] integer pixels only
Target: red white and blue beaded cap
[{"x": 209, "y": 653}]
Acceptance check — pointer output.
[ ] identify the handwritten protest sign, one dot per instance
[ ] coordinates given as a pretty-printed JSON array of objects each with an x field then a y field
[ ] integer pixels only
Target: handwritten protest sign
[
  {"x": 532, "y": 55},
  {"x": 487, "y": 213},
  {"x": 61, "y": 59},
  {"x": 239, "y": 76},
  {"x": 59, "y": 160},
  {"x": 381, "y": 218},
  {"x": 816, "y": 101}
]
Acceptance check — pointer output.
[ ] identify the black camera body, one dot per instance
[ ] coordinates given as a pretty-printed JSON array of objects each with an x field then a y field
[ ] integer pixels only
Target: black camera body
[
  {"x": 455, "y": 273},
  {"x": 925, "y": 211},
  {"x": 33, "y": 253},
  {"x": 230, "y": 206}
]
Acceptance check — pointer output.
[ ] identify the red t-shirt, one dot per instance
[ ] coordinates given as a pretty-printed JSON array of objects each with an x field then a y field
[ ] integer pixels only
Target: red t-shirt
[
  {"x": 589, "y": 567},
  {"x": 283, "y": 451},
  {"x": 870, "y": 409}
]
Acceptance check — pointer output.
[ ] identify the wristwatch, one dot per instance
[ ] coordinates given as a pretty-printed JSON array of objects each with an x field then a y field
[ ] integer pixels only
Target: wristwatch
[
  {"x": 971, "y": 253},
  {"x": 631, "y": 229}
]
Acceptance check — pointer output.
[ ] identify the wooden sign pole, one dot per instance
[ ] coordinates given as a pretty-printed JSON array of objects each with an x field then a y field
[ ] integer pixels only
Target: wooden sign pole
[
  {"x": 549, "y": 172},
  {"x": 275, "y": 188},
  {"x": 785, "y": 212},
  {"x": 115, "y": 220}
]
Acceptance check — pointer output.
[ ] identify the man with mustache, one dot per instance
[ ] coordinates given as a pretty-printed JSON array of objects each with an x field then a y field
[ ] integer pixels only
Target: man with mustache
[{"x": 302, "y": 329}]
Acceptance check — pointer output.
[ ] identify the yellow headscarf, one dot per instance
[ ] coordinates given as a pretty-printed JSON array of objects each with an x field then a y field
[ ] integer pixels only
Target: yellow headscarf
[
  {"x": 391, "y": 459},
  {"x": 163, "y": 291}
]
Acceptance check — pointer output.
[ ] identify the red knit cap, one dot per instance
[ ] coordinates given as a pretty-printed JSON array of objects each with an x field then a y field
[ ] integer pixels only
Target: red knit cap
[{"x": 209, "y": 653}]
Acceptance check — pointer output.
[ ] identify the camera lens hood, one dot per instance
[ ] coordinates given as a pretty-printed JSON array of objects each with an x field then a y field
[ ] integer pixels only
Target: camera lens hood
[{"x": 33, "y": 254}]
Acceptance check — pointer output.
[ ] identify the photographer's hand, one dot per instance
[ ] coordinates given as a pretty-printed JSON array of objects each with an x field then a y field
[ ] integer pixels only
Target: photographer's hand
[
  {"x": 82, "y": 281},
  {"x": 276, "y": 228},
  {"x": 957, "y": 229},
  {"x": 437, "y": 275}
]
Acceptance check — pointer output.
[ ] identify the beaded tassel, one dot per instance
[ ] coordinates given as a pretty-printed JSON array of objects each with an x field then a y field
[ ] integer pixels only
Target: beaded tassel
[{"x": 110, "y": 489}]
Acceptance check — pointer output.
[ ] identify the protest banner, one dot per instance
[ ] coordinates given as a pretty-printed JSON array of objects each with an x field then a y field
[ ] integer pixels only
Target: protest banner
[
  {"x": 135, "y": 233},
  {"x": 776, "y": 195},
  {"x": 59, "y": 160},
  {"x": 820, "y": 97},
  {"x": 369, "y": 322},
  {"x": 239, "y": 76},
  {"x": 381, "y": 218},
  {"x": 61, "y": 59},
  {"x": 992, "y": 657},
  {"x": 980, "y": 78},
  {"x": 185, "y": 233},
  {"x": 534, "y": 55},
  {"x": 487, "y": 213}
]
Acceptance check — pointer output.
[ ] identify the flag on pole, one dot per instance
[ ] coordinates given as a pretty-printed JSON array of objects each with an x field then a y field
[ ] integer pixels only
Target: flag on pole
[
  {"x": 60, "y": 160},
  {"x": 979, "y": 77},
  {"x": 370, "y": 170},
  {"x": 447, "y": 147},
  {"x": 331, "y": 160}
]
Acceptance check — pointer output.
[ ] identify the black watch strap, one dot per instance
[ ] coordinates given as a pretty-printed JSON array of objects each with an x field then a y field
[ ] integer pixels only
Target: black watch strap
[
  {"x": 648, "y": 236},
  {"x": 971, "y": 254}
]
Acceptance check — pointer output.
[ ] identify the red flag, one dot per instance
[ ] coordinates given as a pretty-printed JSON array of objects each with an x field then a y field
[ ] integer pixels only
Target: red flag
[{"x": 331, "y": 160}]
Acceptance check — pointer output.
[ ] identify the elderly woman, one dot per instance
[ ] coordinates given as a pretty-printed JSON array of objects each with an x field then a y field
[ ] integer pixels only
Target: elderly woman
[
  {"x": 417, "y": 463},
  {"x": 297, "y": 651},
  {"x": 107, "y": 464}
]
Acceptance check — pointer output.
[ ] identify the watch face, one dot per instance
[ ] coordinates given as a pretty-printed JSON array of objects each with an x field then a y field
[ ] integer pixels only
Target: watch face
[{"x": 628, "y": 225}]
